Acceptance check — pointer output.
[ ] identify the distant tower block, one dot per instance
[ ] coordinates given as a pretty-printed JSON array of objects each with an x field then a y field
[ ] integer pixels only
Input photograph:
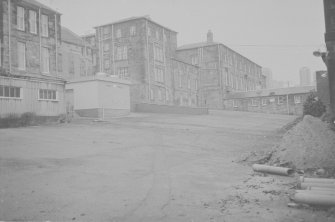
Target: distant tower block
[{"x": 209, "y": 36}]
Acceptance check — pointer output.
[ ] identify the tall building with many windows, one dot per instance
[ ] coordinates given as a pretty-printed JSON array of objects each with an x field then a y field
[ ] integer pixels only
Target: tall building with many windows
[
  {"x": 222, "y": 70},
  {"x": 140, "y": 50},
  {"x": 30, "y": 40},
  {"x": 305, "y": 76}
]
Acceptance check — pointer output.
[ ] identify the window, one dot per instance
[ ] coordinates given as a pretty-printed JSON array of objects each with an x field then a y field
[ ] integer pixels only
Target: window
[
  {"x": 194, "y": 60},
  {"x": 167, "y": 96},
  {"x": 254, "y": 102},
  {"x": 235, "y": 103},
  {"x": 159, "y": 75},
  {"x": 149, "y": 31},
  {"x": 106, "y": 64},
  {"x": 297, "y": 99},
  {"x": 32, "y": 22},
  {"x": 10, "y": 92},
  {"x": 132, "y": 30},
  {"x": 71, "y": 63},
  {"x": 45, "y": 25},
  {"x": 122, "y": 72},
  {"x": 160, "y": 95},
  {"x": 151, "y": 94},
  {"x": 196, "y": 84},
  {"x": 47, "y": 94},
  {"x": 189, "y": 83},
  {"x": 45, "y": 60},
  {"x": 264, "y": 102},
  {"x": 157, "y": 35},
  {"x": 158, "y": 53},
  {"x": 106, "y": 46},
  {"x": 180, "y": 80},
  {"x": 118, "y": 33},
  {"x": 21, "y": 55},
  {"x": 106, "y": 31},
  {"x": 121, "y": 53},
  {"x": 281, "y": 99},
  {"x": 20, "y": 18}
]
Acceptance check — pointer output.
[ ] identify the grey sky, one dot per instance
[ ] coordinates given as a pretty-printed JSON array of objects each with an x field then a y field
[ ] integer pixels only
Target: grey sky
[{"x": 283, "y": 33}]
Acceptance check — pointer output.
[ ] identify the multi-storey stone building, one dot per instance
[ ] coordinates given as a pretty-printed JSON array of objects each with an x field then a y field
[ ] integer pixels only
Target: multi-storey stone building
[
  {"x": 77, "y": 56},
  {"x": 30, "y": 41},
  {"x": 139, "y": 49},
  {"x": 222, "y": 70},
  {"x": 185, "y": 83}
]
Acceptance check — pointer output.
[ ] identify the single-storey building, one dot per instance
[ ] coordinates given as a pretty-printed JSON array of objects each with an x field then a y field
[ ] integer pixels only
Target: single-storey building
[
  {"x": 278, "y": 101},
  {"x": 98, "y": 96}
]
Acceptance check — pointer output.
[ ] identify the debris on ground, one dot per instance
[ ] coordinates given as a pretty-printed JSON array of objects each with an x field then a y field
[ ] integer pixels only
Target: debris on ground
[{"x": 309, "y": 144}]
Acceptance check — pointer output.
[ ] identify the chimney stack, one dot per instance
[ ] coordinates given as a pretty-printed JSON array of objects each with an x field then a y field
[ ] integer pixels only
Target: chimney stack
[{"x": 209, "y": 36}]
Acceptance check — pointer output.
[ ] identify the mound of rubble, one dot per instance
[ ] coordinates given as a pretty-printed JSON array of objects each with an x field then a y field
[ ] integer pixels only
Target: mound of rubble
[{"x": 309, "y": 144}]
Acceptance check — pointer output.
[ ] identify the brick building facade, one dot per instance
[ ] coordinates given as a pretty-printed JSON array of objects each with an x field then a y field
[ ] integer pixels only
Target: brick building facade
[
  {"x": 30, "y": 41},
  {"x": 222, "y": 70}
]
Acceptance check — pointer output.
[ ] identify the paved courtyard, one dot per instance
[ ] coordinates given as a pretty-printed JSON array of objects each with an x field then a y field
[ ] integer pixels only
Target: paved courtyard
[{"x": 146, "y": 167}]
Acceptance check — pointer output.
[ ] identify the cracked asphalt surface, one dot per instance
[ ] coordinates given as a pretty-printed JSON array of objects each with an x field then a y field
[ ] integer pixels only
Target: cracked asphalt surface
[{"x": 146, "y": 167}]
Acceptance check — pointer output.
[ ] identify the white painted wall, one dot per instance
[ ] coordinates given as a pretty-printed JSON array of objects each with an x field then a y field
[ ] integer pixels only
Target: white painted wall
[
  {"x": 95, "y": 93},
  {"x": 114, "y": 95},
  {"x": 29, "y": 101}
]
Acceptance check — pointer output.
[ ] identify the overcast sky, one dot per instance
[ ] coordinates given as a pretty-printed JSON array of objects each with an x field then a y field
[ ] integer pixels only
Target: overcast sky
[{"x": 278, "y": 34}]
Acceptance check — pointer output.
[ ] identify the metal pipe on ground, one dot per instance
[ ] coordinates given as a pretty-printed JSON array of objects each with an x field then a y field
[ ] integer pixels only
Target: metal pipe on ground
[
  {"x": 315, "y": 199},
  {"x": 316, "y": 180},
  {"x": 272, "y": 169},
  {"x": 307, "y": 185}
]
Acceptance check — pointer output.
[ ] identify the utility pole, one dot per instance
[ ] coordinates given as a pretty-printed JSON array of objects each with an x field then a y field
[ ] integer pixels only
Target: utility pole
[{"x": 329, "y": 58}]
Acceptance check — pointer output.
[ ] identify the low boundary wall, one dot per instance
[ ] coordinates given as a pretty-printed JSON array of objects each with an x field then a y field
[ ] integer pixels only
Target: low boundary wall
[{"x": 156, "y": 108}]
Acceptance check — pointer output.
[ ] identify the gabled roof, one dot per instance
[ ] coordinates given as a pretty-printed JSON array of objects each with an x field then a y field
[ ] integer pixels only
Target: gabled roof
[
  {"x": 271, "y": 92},
  {"x": 71, "y": 37},
  {"x": 36, "y": 3},
  {"x": 204, "y": 44},
  {"x": 135, "y": 18},
  {"x": 197, "y": 45}
]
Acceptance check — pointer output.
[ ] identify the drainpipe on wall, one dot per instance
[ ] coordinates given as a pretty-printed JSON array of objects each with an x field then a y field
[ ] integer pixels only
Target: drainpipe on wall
[
  {"x": 113, "y": 51},
  {"x": 56, "y": 35},
  {"x": 148, "y": 59},
  {"x": 9, "y": 35},
  {"x": 40, "y": 36},
  {"x": 287, "y": 105}
]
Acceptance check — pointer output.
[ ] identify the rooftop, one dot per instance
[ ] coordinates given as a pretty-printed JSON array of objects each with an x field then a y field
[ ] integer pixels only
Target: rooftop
[
  {"x": 71, "y": 37},
  {"x": 272, "y": 92},
  {"x": 135, "y": 18},
  {"x": 36, "y": 3}
]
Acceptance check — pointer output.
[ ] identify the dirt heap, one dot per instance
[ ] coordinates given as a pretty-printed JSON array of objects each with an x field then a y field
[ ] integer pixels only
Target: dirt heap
[{"x": 309, "y": 144}]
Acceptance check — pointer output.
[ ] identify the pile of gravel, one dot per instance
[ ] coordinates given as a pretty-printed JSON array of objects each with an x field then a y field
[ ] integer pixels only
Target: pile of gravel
[{"x": 309, "y": 144}]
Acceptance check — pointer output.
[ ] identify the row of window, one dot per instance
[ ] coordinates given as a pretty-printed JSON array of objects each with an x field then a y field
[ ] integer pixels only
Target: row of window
[
  {"x": 159, "y": 95},
  {"x": 132, "y": 32},
  {"x": 16, "y": 92},
  {"x": 280, "y": 100},
  {"x": 32, "y": 21},
  {"x": 188, "y": 82},
  {"x": 107, "y": 31},
  {"x": 21, "y": 57}
]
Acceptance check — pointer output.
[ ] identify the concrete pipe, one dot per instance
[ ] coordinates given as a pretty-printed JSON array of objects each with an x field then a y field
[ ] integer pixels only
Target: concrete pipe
[
  {"x": 325, "y": 185},
  {"x": 321, "y": 192},
  {"x": 321, "y": 188},
  {"x": 315, "y": 199},
  {"x": 316, "y": 180},
  {"x": 271, "y": 169}
]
